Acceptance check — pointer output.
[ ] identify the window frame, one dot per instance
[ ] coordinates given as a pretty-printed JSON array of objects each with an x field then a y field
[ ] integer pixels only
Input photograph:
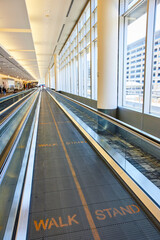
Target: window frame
[
  {"x": 149, "y": 54},
  {"x": 80, "y": 39}
]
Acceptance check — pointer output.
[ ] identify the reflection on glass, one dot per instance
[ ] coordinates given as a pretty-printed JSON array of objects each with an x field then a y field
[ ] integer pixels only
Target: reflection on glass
[
  {"x": 130, "y": 3},
  {"x": 122, "y": 145},
  {"x": 135, "y": 24},
  {"x": 155, "y": 99}
]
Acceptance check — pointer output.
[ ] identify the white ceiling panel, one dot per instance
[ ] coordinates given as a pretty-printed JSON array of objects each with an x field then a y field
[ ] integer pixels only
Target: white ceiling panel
[
  {"x": 46, "y": 18},
  {"x": 33, "y": 29},
  {"x": 14, "y": 23},
  {"x": 17, "y": 41},
  {"x": 13, "y": 14}
]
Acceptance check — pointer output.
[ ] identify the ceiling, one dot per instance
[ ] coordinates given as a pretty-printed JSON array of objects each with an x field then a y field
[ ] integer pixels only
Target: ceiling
[
  {"x": 31, "y": 31},
  {"x": 10, "y": 67}
]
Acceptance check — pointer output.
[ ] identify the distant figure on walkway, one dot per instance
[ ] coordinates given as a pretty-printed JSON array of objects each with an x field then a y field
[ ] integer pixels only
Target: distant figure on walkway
[{"x": 4, "y": 90}]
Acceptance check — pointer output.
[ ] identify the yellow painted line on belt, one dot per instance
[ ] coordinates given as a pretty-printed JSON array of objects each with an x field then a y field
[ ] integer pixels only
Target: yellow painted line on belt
[
  {"x": 21, "y": 147},
  {"x": 83, "y": 200},
  {"x": 45, "y": 123}
]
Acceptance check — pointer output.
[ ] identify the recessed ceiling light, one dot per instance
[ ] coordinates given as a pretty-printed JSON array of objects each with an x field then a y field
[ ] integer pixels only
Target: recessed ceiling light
[{"x": 47, "y": 13}]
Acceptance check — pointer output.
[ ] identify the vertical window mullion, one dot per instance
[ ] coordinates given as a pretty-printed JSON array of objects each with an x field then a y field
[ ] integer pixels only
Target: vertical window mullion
[
  {"x": 121, "y": 62},
  {"x": 85, "y": 73},
  {"x": 155, "y": 87},
  {"x": 148, "y": 55},
  {"x": 124, "y": 61},
  {"x": 78, "y": 63},
  {"x": 91, "y": 85}
]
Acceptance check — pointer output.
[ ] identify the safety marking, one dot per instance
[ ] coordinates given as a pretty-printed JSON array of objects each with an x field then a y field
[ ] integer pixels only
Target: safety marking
[
  {"x": 68, "y": 143},
  {"x": 83, "y": 200},
  {"x": 55, "y": 222},
  {"x": 114, "y": 212},
  {"x": 21, "y": 147},
  {"x": 48, "y": 145},
  {"x": 45, "y": 123}
]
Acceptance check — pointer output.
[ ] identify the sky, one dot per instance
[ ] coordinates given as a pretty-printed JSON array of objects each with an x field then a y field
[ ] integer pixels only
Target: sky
[{"x": 137, "y": 29}]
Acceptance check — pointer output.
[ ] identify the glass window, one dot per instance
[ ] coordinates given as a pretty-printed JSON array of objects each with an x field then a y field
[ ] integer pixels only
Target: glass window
[
  {"x": 87, "y": 38},
  {"x": 94, "y": 70},
  {"x": 75, "y": 63},
  {"x": 72, "y": 76},
  {"x": 88, "y": 74},
  {"x": 81, "y": 75},
  {"x": 129, "y": 3},
  {"x": 155, "y": 97},
  {"x": 76, "y": 76},
  {"x": 135, "y": 26},
  {"x": 52, "y": 76}
]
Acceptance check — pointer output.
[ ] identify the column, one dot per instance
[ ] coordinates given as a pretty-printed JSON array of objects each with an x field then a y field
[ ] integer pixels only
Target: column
[
  {"x": 49, "y": 77},
  {"x": 46, "y": 84},
  {"x": 56, "y": 72},
  {"x": 107, "y": 55}
]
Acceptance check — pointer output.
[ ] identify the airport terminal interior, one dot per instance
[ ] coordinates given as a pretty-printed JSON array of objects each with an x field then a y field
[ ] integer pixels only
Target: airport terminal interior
[{"x": 80, "y": 119}]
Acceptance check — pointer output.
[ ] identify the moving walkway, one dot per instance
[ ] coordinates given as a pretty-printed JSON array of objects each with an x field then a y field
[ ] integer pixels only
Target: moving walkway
[
  {"x": 9, "y": 103},
  {"x": 71, "y": 179}
]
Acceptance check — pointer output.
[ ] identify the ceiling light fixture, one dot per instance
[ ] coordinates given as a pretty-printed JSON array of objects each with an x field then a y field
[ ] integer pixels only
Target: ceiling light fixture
[
  {"x": 21, "y": 50},
  {"x": 17, "y": 30},
  {"x": 47, "y": 13},
  {"x": 26, "y": 59}
]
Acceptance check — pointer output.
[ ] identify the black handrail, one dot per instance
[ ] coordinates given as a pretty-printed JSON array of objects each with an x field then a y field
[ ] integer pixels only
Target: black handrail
[{"x": 145, "y": 136}]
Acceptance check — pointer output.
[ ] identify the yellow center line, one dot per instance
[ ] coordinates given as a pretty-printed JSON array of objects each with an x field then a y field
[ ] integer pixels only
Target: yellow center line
[
  {"x": 45, "y": 123},
  {"x": 83, "y": 200},
  {"x": 21, "y": 147}
]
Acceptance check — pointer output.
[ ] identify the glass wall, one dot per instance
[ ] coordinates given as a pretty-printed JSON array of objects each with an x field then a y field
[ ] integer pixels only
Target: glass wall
[
  {"x": 129, "y": 3},
  {"x": 78, "y": 58},
  {"x": 155, "y": 98},
  {"x": 134, "y": 58},
  {"x": 139, "y": 48},
  {"x": 94, "y": 47},
  {"x": 52, "y": 77}
]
